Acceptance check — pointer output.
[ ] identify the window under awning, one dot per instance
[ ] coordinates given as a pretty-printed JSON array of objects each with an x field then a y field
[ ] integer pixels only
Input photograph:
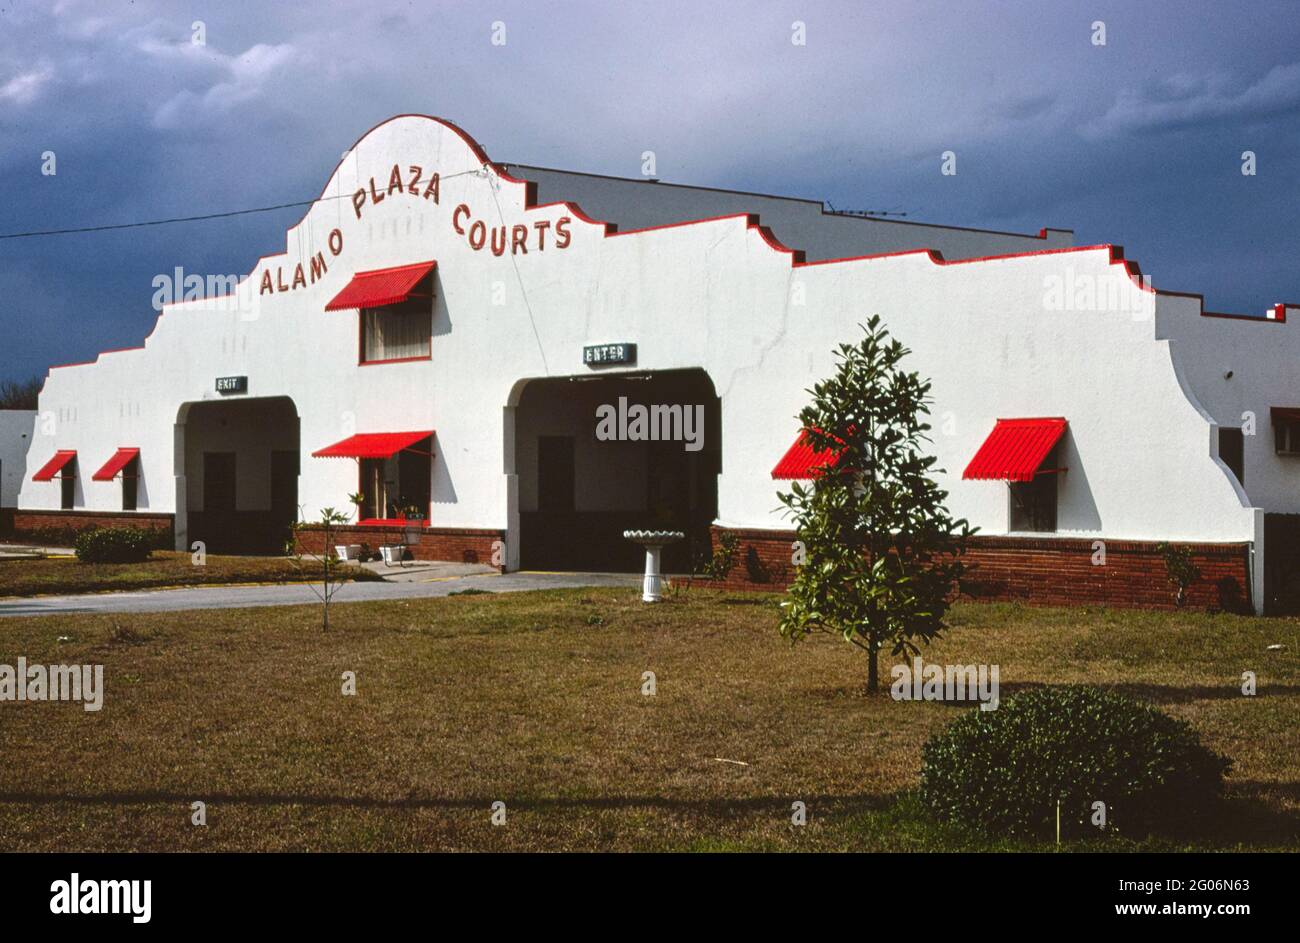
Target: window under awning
[
  {"x": 372, "y": 445},
  {"x": 802, "y": 461},
  {"x": 55, "y": 465},
  {"x": 1016, "y": 449},
  {"x": 121, "y": 458},
  {"x": 385, "y": 286}
]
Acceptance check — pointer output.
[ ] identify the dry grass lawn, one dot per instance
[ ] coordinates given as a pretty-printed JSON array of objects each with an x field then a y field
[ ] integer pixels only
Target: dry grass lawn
[{"x": 535, "y": 700}]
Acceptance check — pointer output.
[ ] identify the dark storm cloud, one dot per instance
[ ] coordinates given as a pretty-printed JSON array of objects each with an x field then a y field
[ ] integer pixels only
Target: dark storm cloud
[{"x": 1138, "y": 142}]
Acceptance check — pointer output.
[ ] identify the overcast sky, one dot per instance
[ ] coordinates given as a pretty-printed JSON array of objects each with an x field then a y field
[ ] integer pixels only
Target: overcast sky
[{"x": 1138, "y": 142}]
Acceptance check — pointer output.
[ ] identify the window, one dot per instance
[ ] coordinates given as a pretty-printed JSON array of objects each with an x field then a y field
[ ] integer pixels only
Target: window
[
  {"x": 1033, "y": 504},
  {"x": 1232, "y": 451},
  {"x": 67, "y": 485},
  {"x": 130, "y": 479},
  {"x": 397, "y": 332},
  {"x": 1286, "y": 436},
  {"x": 374, "y": 488},
  {"x": 393, "y": 487}
]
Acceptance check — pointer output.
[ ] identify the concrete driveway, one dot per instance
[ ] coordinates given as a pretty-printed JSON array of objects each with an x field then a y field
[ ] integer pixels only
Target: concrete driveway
[{"x": 406, "y": 584}]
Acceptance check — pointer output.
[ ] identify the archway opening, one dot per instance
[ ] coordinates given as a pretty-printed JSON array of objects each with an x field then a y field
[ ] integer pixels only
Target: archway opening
[
  {"x": 596, "y": 456},
  {"x": 241, "y": 463}
]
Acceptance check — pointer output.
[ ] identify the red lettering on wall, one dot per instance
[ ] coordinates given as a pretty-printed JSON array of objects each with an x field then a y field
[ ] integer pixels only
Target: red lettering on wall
[
  {"x": 461, "y": 210},
  {"x": 562, "y": 236},
  {"x": 267, "y": 287},
  {"x": 498, "y": 249},
  {"x": 416, "y": 173},
  {"x": 518, "y": 239},
  {"x": 318, "y": 266},
  {"x": 432, "y": 188},
  {"x": 375, "y": 198},
  {"x": 477, "y": 235},
  {"x": 395, "y": 180},
  {"x": 541, "y": 226},
  {"x": 336, "y": 241},
  {"x": 299, "y": 279},
  {"x": 358, "y": 201}
]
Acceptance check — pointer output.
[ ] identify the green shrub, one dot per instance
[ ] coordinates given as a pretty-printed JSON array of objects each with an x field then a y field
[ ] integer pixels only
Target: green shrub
[
  {"x": 114, "y": 545},
  {"x": 1003, "y": 770}
]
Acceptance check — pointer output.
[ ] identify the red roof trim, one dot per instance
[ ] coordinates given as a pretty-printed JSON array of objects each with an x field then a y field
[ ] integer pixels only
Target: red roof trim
[
  {"x": 1015, "y": 449},
  {"x": 796, "y": 255},
  {"x": 121, "y": 458},
  {"x": 55, "y": 465},
  {"x": 372, "y": 444},
  {"x": 379, "y": 287}
]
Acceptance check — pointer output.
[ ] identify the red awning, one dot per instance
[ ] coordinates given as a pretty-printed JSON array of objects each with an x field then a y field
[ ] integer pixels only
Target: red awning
[
  {"x": 121, "y": 458},
  {"x": 1015, "y": 449},
  {"x": 385, "y": 286},
  {"x": 55, "y": 465},
  {"x": 372, "y": 445},
  {"x": 800, "y": 461}
]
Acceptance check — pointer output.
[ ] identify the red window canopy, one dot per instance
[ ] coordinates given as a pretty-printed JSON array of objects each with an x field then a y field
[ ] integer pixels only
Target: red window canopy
[
  {"x": 1285, "y": 413},
  {"x": 385, "y": 286},
  {"x": 1015, "y": 449},
  {"x": 55, "y": 465},
  {"x": 801, "y": 460},
  {"x": 121, "y": 458},
  {"x": 372, "y": 445}
]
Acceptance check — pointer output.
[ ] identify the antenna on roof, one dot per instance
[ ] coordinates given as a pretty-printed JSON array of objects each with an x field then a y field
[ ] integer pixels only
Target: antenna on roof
[{"x": 863, "y": 213}]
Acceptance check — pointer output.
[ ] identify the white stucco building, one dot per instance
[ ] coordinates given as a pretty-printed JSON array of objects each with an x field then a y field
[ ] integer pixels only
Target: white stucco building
[
  {"x": 443, "y": 331},
  {"x": 15, "y": 439}
]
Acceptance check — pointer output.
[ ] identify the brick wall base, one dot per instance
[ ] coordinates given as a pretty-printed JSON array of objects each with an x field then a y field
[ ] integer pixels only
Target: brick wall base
[
  {"x": 454, "y": 544},
  {"x": 1040, "y": 571},
  {"x": 62, "y": 525}
]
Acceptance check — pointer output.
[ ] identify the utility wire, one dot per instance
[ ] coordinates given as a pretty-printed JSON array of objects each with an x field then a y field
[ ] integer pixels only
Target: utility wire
[
  {"x": 154, "y": 222},
  {"x": 192, "y": 219}
]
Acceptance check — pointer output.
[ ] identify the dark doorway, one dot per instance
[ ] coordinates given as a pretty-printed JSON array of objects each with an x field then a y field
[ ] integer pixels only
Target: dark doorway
[
  {"x": 555, "y": 473},
  {"x": 580, "y": 487},
  {"x": 1281, "y": 564},
  {"x": 241, "y": 473},
  {"x": 218, "y": 481},
  {"x": 284, "y": 489}
]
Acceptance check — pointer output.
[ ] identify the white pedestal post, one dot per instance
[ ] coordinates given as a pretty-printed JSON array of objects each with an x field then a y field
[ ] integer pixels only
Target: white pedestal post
[{"x": 652, "y": 586}]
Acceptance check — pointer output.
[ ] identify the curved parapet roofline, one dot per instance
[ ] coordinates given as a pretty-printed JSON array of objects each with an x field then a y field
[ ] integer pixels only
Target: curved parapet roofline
[{"x": 1278, "y": 313}]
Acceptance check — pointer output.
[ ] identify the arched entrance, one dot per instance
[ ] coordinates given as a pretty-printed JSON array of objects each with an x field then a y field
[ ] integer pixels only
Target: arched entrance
[
  {"x": 597, "y": 455},
  {"x": 238, "y": 461}
]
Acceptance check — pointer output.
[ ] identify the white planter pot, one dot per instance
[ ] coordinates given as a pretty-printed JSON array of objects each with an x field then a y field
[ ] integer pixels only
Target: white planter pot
[
  {"x": 348, "y": 551},
  {"x": 392, "y": 554}
]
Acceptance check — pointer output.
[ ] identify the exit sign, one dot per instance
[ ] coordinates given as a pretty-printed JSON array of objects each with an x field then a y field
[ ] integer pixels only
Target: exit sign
[
  {"x": 232, "y": 384},
  {"x": 599, "y": 355}
]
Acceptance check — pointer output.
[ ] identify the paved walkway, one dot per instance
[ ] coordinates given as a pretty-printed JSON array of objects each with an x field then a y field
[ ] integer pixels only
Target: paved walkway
[{"x": 409, "y": 586}]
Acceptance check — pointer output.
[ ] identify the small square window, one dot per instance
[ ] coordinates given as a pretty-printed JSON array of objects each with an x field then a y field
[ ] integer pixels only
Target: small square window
[
  {"x": 1286, "y": 436},
  {"x": 397, "y": 332},
  {"x": 1033, "y": 504}
]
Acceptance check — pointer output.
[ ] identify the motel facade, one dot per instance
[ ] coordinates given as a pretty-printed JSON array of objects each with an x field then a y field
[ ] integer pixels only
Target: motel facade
[{"x": 466, "y": 347}]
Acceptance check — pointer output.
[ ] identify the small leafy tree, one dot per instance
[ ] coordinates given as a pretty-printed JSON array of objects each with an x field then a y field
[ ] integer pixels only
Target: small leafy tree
[
  {"x": 325, "y": 563},
  {"x": 1181, "y": 569},
  {"x": 882, "y": 553}
]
